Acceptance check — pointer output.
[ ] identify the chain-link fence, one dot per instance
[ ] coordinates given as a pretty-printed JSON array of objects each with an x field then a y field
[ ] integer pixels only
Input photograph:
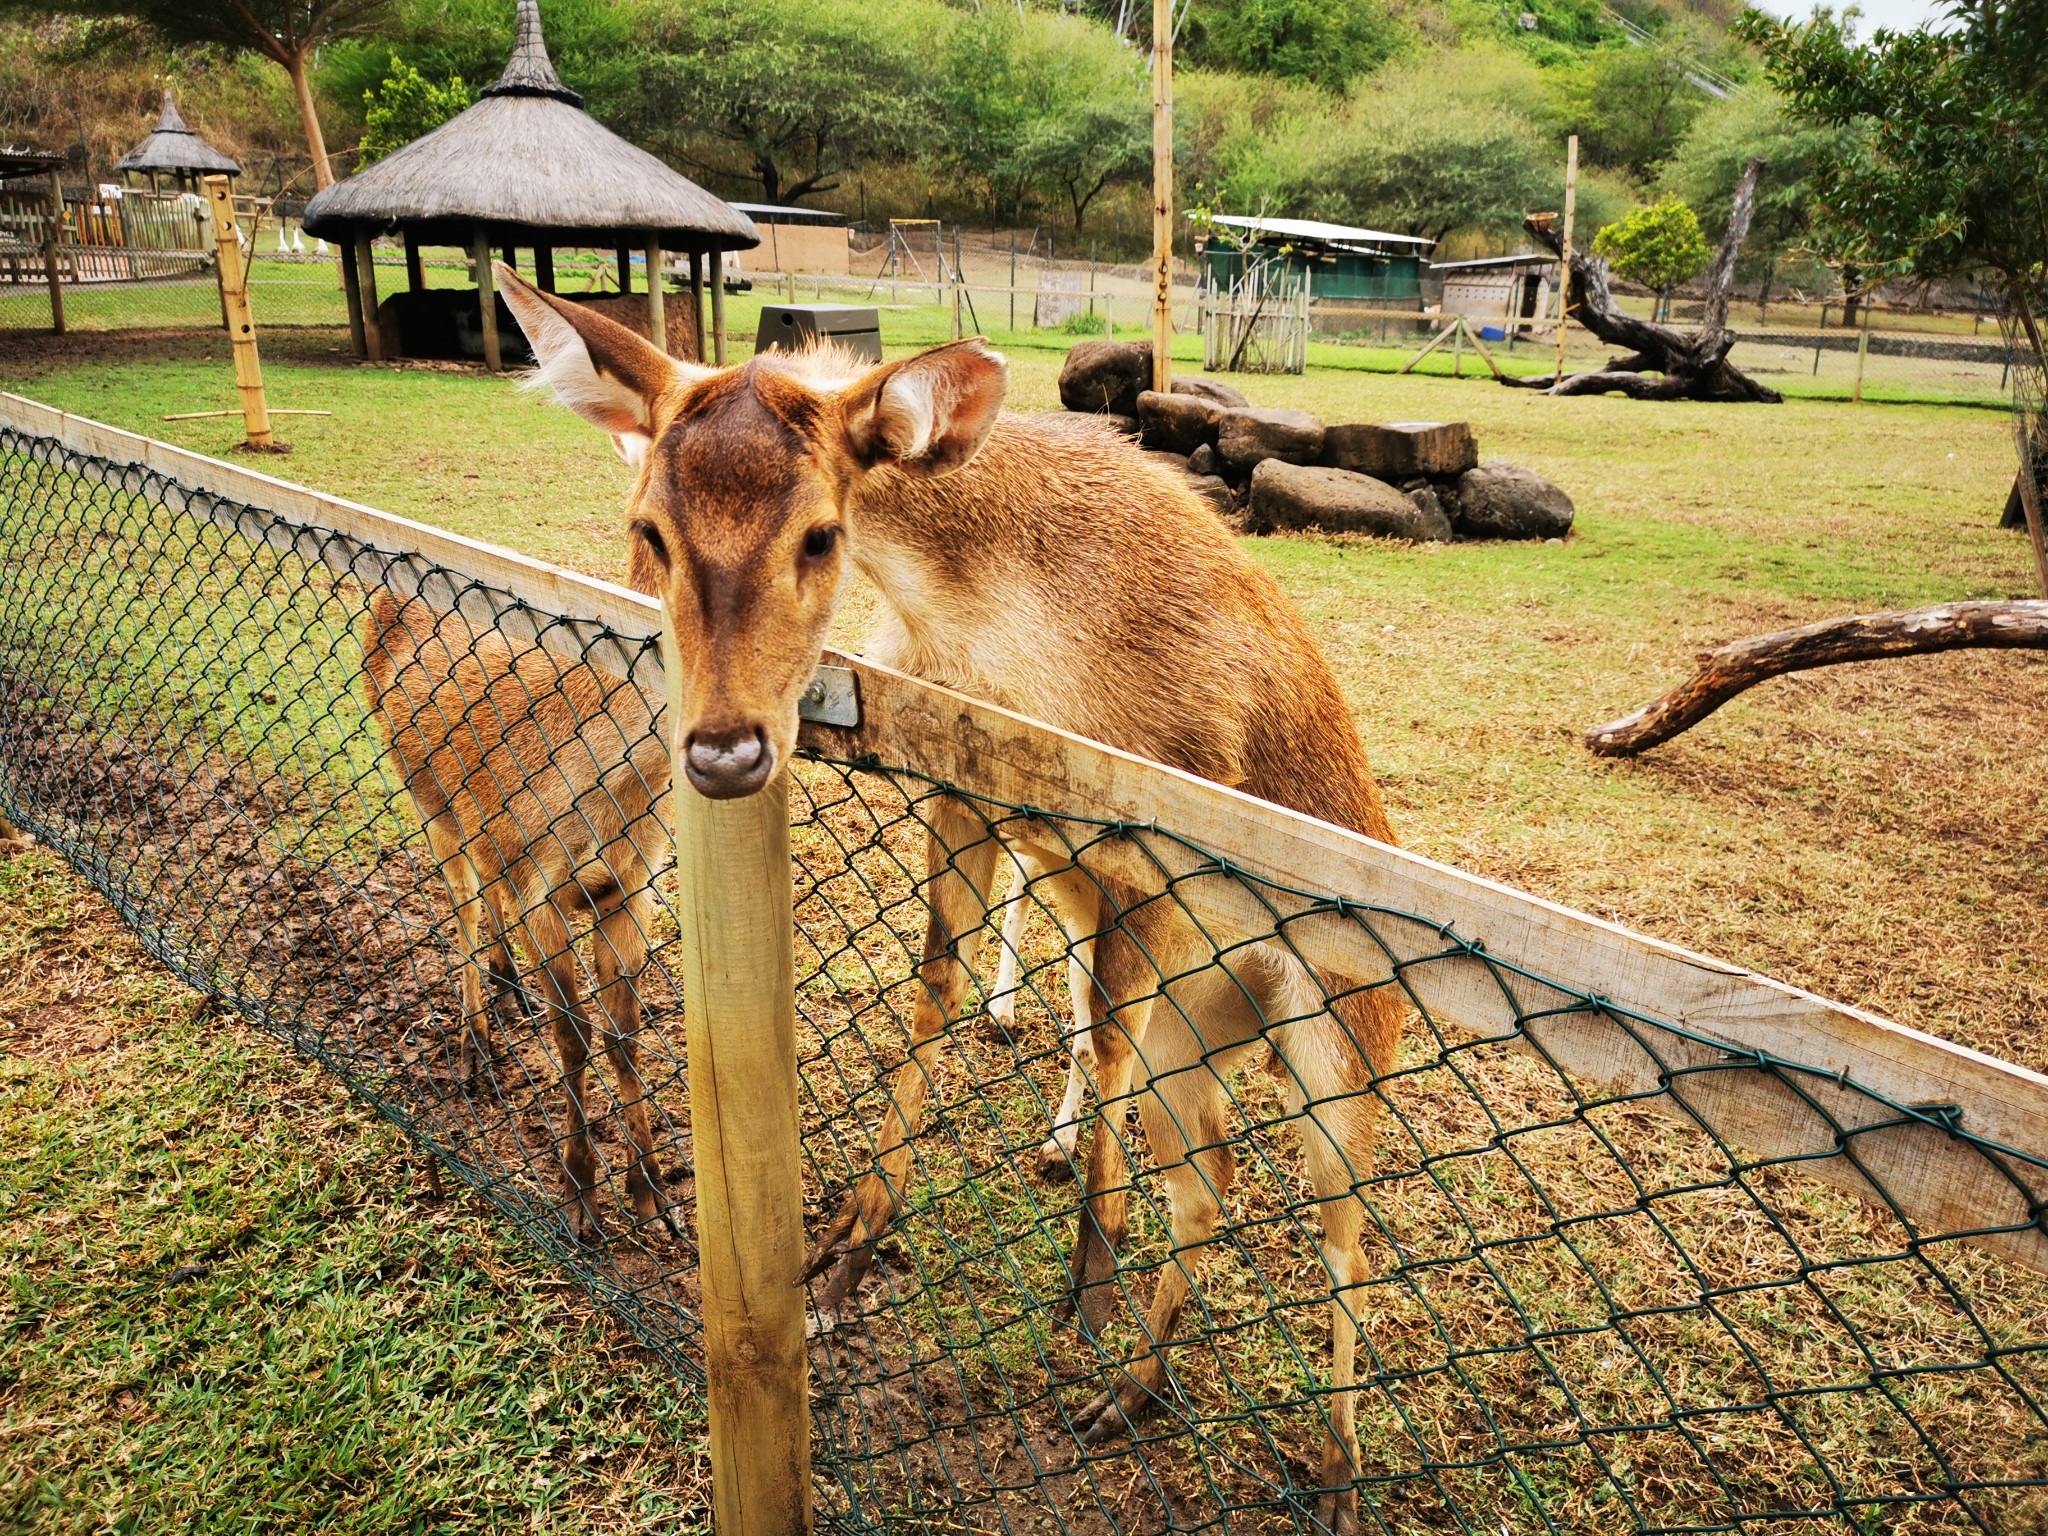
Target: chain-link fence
[{"x": 1744, "y": 1261}]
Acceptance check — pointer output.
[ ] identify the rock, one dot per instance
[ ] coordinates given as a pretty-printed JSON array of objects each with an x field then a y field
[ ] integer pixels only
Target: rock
[
  {"x": 1177, "y": 423},
  {"x": 1499, "y": 500},
  {"x": 1202, "y": 461},
  {"x": 1106, "y": 376},
  {"x": 1212, "y": 489},
  {"x": 1245, "y": 437},
  {"x": 1401, "y": 450},
  {"x": 1430, "y": 505},
  {"x": 1314, "y": 496},
  {"x": 1211, "y": 389}
]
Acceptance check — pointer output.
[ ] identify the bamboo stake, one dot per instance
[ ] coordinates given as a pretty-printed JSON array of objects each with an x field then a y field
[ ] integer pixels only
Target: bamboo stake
[
  {"x": 274, "y": 410},
  {"x": 1162, "y": 195},
  {"x": 234, "y": 295},
  {"x": 1564, "y": 262},
  {"x": 739, "y": 973}
]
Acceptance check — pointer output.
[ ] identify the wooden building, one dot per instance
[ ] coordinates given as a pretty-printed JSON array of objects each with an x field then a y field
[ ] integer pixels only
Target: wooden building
[
  {"x": 526, "y": 168},
  {"x": 1497, "y": 289},
  {"x": 1366, "y": 266}
]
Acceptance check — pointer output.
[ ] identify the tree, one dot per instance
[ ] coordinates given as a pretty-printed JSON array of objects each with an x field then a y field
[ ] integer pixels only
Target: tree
[
  {"x": 1090, "y": 148},
  {"x": 1328, "y": 43},
  {"x": 1659, "y": 246},
  {"x": 287, "y": 32},
  {"x": 1944, "y": 177},
  {"x": 789, "y": 94},
  {"x": 408, "y": 106},
  {"x": 1634, "y": 103}
]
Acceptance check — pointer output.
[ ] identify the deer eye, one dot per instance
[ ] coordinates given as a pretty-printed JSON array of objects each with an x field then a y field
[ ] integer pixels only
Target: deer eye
[
  {"x": 651, "y": 536},
  {"x": 819, "y": 542}
]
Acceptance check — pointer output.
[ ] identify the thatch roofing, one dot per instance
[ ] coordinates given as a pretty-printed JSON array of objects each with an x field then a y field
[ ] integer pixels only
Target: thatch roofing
[
  {"x": 172, "y": 149},
  {"x": 531, "y": 166}
]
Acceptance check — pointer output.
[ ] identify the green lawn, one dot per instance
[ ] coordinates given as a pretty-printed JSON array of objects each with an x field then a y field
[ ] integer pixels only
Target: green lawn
[{"x": 1872, "y": 832}]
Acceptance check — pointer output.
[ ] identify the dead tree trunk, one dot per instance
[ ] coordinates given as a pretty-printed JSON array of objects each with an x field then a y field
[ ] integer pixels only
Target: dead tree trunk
[
  {"x": 1687, "y": 365},
  {"x": 2020, "y": 625}
]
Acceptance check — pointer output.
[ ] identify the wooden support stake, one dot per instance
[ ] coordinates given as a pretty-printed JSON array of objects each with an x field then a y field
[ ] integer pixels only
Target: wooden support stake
[
  {"x": 275, "y": 410},
  {"x": 657, "y": 316},
  {"x": 1862, "y": 351},
  {"x": 1564, "y": 260},
  {"x": 544, "y": 268},
  {"x": 51, "y": 237},
  {"x": 352, "y": 290},
  {"x": 487, "y": 299},
  {"x": 625, "y": 270},
  {"x": 415, "y": 274},
  {"x": 717, "y": 264},
  {"x": 234, "y": 296},
  {"x": 739, "y": 973},
  {"x": 1162, "y": 195},
  {"x": 366, "y": 288},
  {"x": 1435, "y": 341}
]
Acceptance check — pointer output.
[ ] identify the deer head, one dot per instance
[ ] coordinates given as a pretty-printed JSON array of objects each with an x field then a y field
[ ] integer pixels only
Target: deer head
[{"x": 739, "y": 514}]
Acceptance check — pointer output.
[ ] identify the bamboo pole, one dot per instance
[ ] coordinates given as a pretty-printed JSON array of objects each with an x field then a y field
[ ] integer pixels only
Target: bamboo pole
[
  {"x": 487, "y": 298},
  {"x": 1162, "y": 195},
  {"x": 366, "y": 287},
  {"x": 657, "y": 313},
  {"x": 234, "y": 296},
  {"x": 717, "y": 279},
  {"x": 1564, "y": 262},
  {"x": 739, "y": 973},
  {"x": 51, "y": 237}
]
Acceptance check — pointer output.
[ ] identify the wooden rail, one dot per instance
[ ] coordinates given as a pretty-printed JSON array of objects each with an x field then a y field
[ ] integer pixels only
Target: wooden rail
[{"x": 1759, "y": 1064}]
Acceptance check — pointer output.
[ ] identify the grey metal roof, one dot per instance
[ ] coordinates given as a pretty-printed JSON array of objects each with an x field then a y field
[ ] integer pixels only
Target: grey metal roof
[
  {"x": 774, "y": 213},
  {"x": 1344, "y": 235}
]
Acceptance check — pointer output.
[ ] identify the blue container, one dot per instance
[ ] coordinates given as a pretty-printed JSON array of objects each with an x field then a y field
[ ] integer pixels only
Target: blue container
[{"x": 1492, "y": 333}]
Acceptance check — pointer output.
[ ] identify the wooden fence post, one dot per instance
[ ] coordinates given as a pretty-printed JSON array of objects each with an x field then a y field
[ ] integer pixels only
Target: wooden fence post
[
  {"x": 739, "y": 977},
  {"x": 52, "y": 237},
  {"x": 234, "y": 298}
]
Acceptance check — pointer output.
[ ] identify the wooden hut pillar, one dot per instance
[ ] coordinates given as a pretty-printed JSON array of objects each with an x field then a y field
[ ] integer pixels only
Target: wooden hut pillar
[
  {"x": 718, "y": 307},
  {"x": 415, "y": 275},
  {"x": 657, "y": 320},
  {"x": 697, "y": 331},
  {"x": 351, "y": 287},
  {"x": 487, "y": 300},
  {"x": 51, "y": 237},
  {"x": 511, "y": 257},
  {"x": 625, "y": 269},
  {"x": 544, "y": 268},
  {"x": 366, "y": 295}
]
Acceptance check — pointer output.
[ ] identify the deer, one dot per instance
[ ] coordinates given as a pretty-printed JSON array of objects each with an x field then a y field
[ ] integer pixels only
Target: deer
[
  {"x": 541, "y": 787},
  {"x": 1042, "y": 564},
  {"x": 1058, "y": 1149}
]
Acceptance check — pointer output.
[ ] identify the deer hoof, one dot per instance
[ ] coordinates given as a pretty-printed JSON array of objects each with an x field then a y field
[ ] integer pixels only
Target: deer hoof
[
  {"x": 1337, "y": 1513},
  {"x": 1055, "y": 1160},
  {"x": 583, "y": 1223}
]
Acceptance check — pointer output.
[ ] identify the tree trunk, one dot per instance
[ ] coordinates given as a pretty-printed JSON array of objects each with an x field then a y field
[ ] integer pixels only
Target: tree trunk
[
  {"x": 1867, "y": 637},
  {"x": 1852, "y": 298},
  {"x": 309, "y": 118},
  {"x": 1694, "y": 364}
]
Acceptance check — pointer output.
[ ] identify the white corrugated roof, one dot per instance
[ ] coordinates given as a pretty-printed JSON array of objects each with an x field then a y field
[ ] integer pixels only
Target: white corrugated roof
[{"x": 1315, "y": 229}]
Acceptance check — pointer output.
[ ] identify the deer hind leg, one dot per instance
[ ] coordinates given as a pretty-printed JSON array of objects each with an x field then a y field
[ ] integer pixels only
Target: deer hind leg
[
  {"x": 1057, "y": 1154},
  {"x": 547, "y": 938},
  {"x": 1330, "y": 1062},
  {"x": 618, "y": 953},
  {"x": 960, "y": 883},
  {"x": 1184, "y": 1126},
  {"x": 1002, "y": 1003}
]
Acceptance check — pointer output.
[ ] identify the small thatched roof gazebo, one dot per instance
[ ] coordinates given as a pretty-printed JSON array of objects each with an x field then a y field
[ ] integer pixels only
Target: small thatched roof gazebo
[
  {"x": 527, "y": 166},
  {"x": 174, "y": 150}
]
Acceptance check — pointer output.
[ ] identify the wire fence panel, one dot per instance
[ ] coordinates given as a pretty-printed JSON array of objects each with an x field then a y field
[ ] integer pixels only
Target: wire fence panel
[{"x": 416, "y": 826}]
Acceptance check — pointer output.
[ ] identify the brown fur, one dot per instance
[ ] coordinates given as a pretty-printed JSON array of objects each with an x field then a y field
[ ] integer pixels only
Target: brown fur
[
  {"x": 538, "y": 783},
  {"x": 1044, "y": 564}
]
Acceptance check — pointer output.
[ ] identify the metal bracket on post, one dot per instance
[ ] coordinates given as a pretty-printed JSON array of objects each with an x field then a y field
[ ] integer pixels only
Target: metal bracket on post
[{"x": 832, "y": 698}]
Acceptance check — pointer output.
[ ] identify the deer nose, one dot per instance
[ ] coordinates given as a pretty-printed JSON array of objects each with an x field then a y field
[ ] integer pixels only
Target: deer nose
[{"x": 728, "y": 764}]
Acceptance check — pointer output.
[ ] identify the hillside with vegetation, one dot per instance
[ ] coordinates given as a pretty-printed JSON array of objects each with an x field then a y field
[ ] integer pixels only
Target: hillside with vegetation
[{"x": 1446, "y": 120}]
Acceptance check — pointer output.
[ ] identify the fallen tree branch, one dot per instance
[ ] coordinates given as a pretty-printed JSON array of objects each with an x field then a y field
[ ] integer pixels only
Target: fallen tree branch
[{"x": 1868, "y": 637}]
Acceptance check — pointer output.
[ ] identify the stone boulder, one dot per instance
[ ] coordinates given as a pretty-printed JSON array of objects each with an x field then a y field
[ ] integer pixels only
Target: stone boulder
[
  {"x": 1402, "y": 450},
  {"x": 1211, "y": 389},
  {"x": 1218, "y": 494},
  {"x": 1203, "y": 461},
  {"x": 1106, "y": 376},
  {"x": 1498, "y": 500},
  {"x": 1245, "y": 437},
  {"x": 1177, "y": 423},
  {"x": 1336, "y": 500}
]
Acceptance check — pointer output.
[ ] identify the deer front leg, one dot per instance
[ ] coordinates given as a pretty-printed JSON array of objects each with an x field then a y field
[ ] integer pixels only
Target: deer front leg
[
  {"x": 1056, "y": 1155},
  {"x": 619, "y": 952},
  {"x": 547, "y": 938},
  {"x": 961, "y": 855}
]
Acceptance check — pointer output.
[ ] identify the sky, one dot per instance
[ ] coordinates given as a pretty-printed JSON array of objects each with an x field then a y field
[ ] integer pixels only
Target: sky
[{"x": 1899, "y": 15}]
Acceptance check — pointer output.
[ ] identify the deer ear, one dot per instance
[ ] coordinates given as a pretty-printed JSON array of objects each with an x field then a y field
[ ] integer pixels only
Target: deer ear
[
  {"x": 599, "y": 369},
  {"x": 928, "y": 414}
]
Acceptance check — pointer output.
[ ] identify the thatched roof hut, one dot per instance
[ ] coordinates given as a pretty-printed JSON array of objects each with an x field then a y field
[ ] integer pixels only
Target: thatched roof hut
[
  {"x": 173, "y": 149},
  {"x": 527, "y": 166}
]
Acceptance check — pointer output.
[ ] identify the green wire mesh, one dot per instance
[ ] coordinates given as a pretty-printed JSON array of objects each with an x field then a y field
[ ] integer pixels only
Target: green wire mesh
[{"x": 1585, "y": 1312}]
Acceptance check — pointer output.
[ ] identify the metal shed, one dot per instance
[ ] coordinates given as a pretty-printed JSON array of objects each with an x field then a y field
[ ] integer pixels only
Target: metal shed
[{"x": 1339, "y": 261}]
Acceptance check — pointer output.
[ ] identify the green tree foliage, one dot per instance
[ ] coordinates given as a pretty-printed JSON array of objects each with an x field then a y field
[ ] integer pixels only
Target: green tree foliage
[
  {"x": 1633, "y": 104},
  {"x": 1941, "y": 171},
  {"x": 1327, "y": 43},
  {"x": 406, "y": 106},
  {"x": 1659, "y": 246}
]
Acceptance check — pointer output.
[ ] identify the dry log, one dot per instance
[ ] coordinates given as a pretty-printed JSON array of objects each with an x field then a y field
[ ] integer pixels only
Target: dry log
[
  {"x": 1868, "y": 637},
  {"x": 1693, "y": 365}
]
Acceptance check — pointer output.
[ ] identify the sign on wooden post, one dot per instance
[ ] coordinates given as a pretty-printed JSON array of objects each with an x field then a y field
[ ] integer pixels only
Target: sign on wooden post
[
  {"x": 234, "y": 300},
  {"x": 739, "y": 975}
]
